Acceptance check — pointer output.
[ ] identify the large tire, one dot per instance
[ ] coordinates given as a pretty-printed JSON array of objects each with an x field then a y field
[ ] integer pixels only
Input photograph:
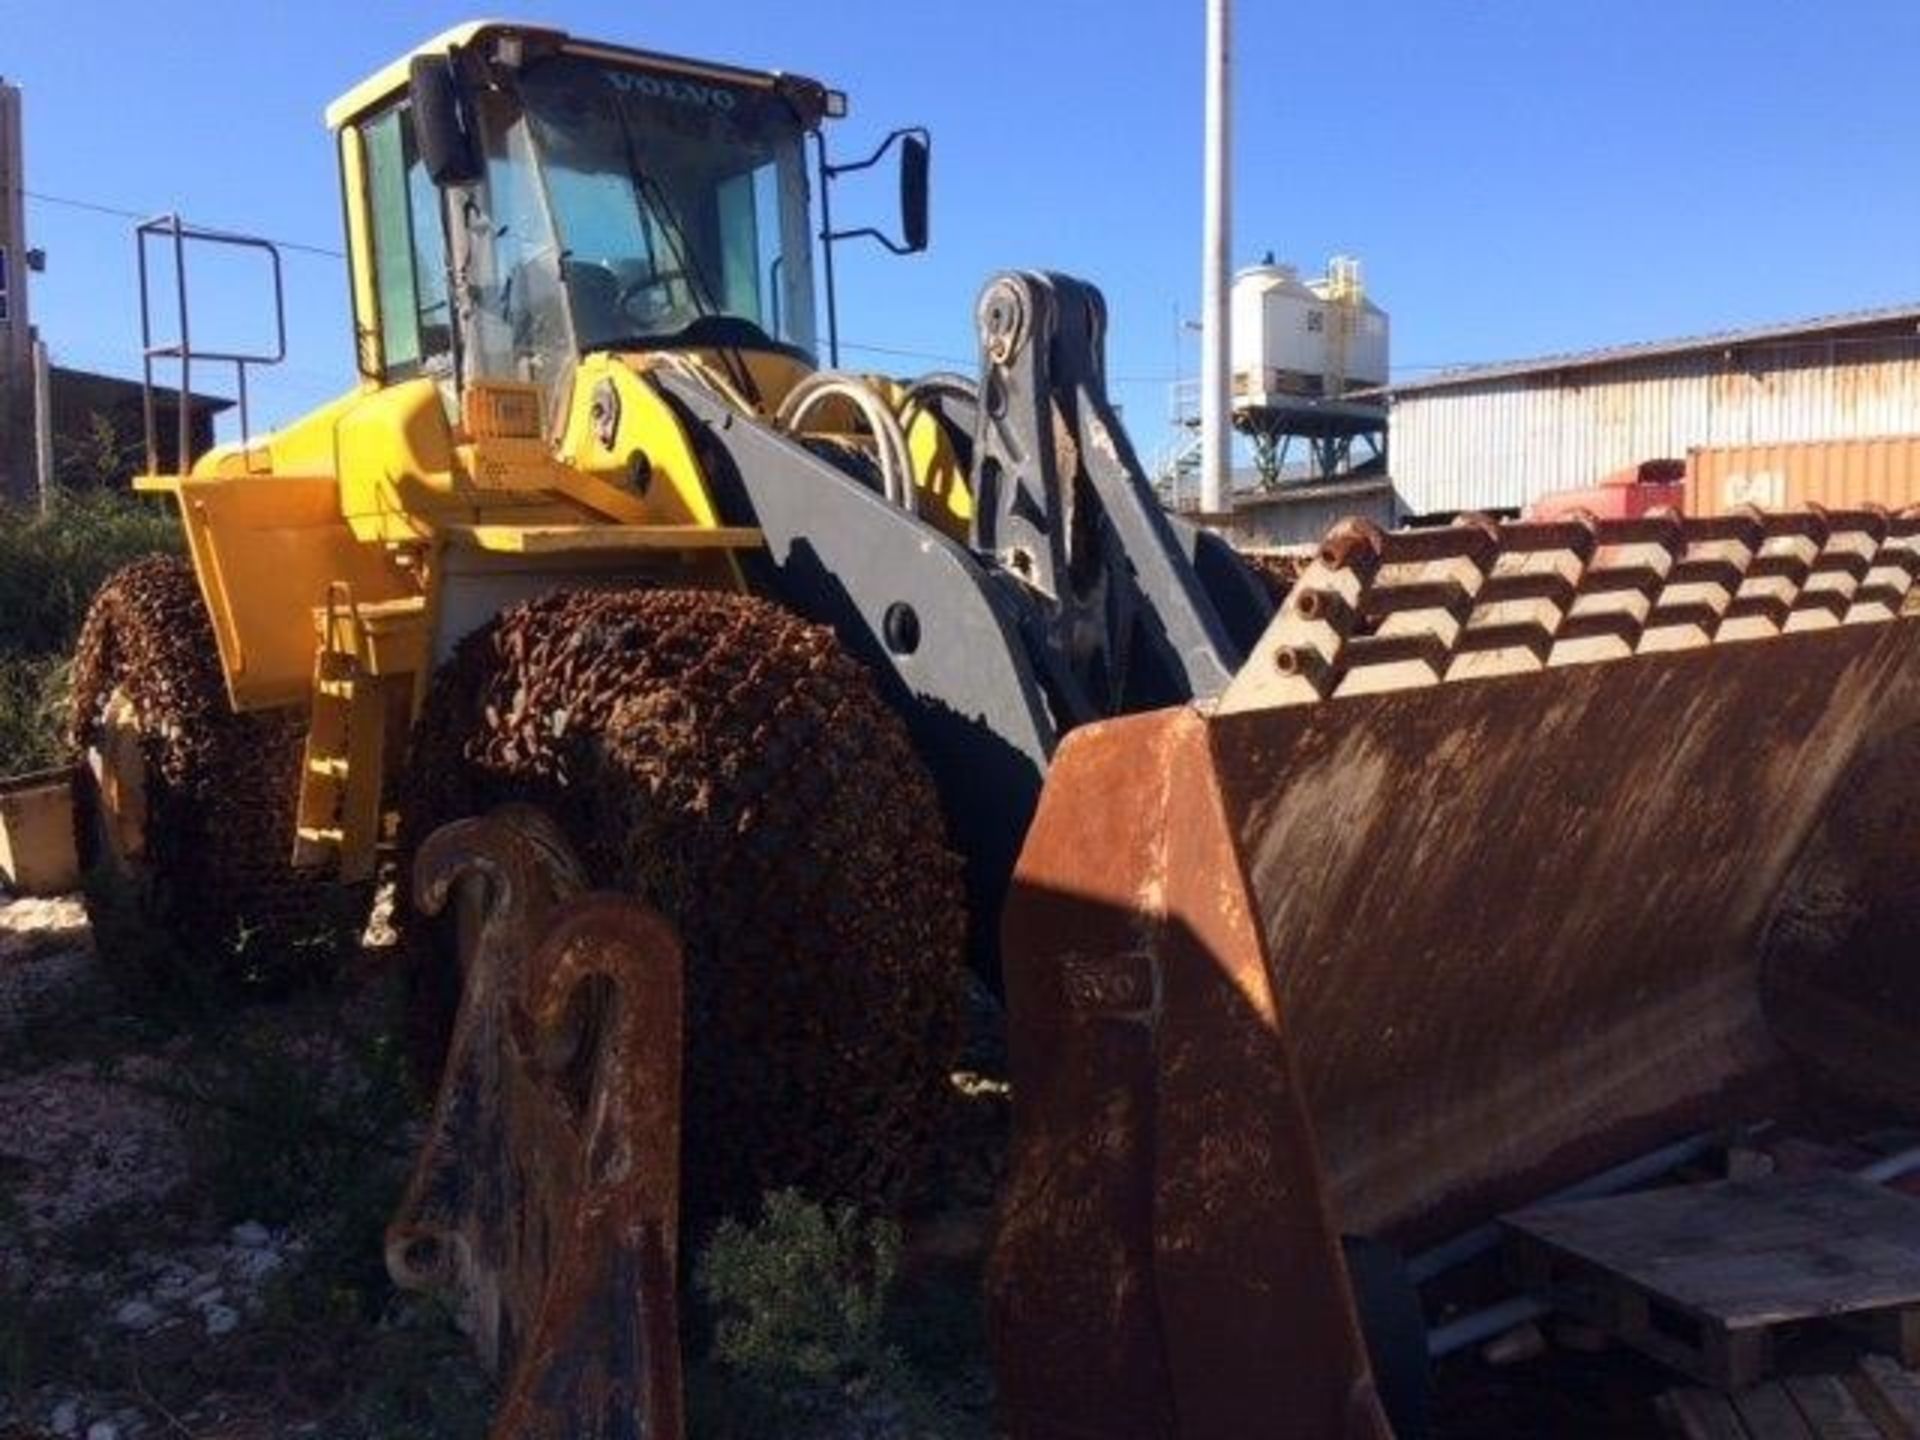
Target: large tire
[
  {"x": 726, "y": 761},
  {"x": 186, "y": 809}
]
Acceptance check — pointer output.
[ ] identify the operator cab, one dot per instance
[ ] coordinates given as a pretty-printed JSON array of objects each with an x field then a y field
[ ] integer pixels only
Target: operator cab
[{"x": 516, "y": 199}]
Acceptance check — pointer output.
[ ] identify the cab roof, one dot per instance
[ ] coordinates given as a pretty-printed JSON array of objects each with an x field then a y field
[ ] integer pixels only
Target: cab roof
[{"x": 391, "y": 79}]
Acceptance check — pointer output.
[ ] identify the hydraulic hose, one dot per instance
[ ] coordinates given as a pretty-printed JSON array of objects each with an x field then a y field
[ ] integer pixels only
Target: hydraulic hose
[{"x": 889, "y": 438}]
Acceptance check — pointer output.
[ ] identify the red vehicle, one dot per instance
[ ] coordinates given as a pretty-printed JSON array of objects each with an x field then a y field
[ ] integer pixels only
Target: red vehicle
[{"x": 1624, "y": 495}]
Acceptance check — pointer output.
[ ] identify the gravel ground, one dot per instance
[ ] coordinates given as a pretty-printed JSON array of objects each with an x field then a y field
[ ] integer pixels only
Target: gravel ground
[
  {"x": 138, "y": 1295},
  {"x": 190, "y": 1212}
]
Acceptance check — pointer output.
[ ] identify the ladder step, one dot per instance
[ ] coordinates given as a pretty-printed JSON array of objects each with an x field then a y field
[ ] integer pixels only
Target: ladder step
[
  {"x": 320, "y": 834},
  {"x": 332, "y": 767}
]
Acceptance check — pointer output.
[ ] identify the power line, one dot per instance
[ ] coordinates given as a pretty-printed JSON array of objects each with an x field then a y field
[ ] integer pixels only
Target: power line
[
  {"x": 904, "y": 354},
  {"x": 966, "y": 364},
  {"x": 95, "y": 207},
  {"x": 898, "y": 352}
]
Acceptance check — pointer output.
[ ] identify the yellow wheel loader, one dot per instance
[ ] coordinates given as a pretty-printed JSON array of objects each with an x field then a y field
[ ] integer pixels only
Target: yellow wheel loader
[{"x": 722, "y": 710}]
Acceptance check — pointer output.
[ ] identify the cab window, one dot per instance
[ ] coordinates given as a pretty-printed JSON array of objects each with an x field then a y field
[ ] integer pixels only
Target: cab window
[{"x": 409, "y": 252}]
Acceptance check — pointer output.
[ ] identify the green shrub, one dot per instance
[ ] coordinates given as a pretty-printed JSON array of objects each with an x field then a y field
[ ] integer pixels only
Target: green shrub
[
  {"x": 799, "y": 1305},
  {"x": 50, "y": 565},
  {"x": 33, "y": 712},
  {"x": 103, "y": 456},
  {"x": 802, "y": 1291}
]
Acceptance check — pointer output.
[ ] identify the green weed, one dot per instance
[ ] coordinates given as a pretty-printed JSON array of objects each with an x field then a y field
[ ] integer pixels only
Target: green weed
[
  {"x": 51, "y": 564},
  {"x": 50, "y": 567},
  {"x": 799, "y": 1306},
  {"x": 33, "y": 712}
]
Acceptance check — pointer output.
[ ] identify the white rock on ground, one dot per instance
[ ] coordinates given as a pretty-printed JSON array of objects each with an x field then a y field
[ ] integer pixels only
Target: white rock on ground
[
  {"x": 221, "y": 1320},
  {"x": 87, "y": 1142},
  {"x": 46, "y": 960},
  {"x": 30, "y": 924},
  {"x": 136, "y": 1315}
]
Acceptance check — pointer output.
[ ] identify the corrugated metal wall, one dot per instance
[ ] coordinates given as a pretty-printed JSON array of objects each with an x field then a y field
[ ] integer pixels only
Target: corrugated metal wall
[
  {"x": 1302, "y": 514},
  {"x": 1499, "y": 443}
]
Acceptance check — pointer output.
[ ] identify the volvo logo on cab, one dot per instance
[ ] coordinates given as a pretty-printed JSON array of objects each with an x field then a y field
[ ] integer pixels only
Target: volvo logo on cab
[{"x": 679, "y": 91}]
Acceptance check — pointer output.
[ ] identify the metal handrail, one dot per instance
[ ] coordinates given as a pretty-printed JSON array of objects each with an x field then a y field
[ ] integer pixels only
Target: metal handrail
[{"x": 172, "y": 228}]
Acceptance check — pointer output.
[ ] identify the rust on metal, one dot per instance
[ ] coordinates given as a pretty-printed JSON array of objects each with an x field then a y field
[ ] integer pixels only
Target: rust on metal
[
  {"x": 1467, "y": 601},
  {"x": 1166, "y": 1263},
  {"x": 188, "y": 802},
  {"x": 740, "y": 769},
  {"x": 544, "y": 1205},
  {"x": 1444, "y": 904}
]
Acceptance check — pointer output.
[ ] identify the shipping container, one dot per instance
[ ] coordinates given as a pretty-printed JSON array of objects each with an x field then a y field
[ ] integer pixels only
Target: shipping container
[{"x": 1839, "y": 474}]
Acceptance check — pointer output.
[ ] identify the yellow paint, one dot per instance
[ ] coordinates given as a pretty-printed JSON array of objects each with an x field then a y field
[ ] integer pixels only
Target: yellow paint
[
  {"x": 394, "y": 455},
  {"x": 578, "y": 539},
  {"x": 391, "y": 79},
  {"x": 366, "y": 304},
  {"x": 946, "y": 497},
  {"x": 365, "y": 658},
  {"x": 358, "y": 503},
  {"x": 675, "y": 489},
  {"x": 265, "y": 551}
]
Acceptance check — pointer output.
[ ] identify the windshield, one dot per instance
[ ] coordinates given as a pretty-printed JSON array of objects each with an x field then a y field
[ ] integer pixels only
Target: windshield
[{"x": 673, "y": 198}]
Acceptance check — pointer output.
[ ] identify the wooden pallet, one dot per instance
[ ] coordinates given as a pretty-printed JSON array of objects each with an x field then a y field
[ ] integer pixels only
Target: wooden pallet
[
  {"x": 1702, "y": 1277},
  {"x": 1878, "y": 1401}
]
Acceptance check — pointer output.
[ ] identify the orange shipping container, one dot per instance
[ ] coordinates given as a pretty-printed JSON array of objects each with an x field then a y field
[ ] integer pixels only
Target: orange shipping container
[{"x": 1839, "y": 474}]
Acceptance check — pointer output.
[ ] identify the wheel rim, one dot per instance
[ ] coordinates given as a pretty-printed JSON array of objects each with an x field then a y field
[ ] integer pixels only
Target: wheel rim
[{"x": 117, "y": 762}]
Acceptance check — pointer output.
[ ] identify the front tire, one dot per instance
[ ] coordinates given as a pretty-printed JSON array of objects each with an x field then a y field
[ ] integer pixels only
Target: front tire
[
  {"x": 185, "y": 809},
  {"x": 728, "y": 763}
]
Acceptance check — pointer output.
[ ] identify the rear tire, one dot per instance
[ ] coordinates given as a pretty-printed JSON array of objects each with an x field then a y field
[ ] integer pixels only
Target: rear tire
[
  {"x": 185, "y": 809},
  {"x": 728, "y": 763}
]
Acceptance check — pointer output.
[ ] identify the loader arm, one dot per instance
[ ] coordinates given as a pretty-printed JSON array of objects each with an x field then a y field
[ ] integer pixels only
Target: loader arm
[
  {"x": 1117, "y": 613},
  {"x": 945, "y": 641},
  {"x": 1075, "y": 600}
]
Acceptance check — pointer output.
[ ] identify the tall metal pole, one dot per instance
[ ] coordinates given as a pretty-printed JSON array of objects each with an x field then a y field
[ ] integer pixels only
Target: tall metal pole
[
  {"x": 43, "y": 424},
  {"x": 16, "y": 351},
  {"x": 1216, "y": 438}
]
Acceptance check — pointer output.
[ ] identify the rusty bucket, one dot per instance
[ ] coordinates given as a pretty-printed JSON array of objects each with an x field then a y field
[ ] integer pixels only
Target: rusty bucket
[{"x": 1512, "y": 849}]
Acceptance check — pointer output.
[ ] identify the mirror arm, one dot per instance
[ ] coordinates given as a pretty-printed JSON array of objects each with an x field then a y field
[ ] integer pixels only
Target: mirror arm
[
  {"x": 871, "y": 234},
  {"x": 893, "y": 138}
]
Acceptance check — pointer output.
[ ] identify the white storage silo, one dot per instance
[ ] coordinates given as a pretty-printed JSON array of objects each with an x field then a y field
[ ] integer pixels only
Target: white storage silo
[{"x": 1279, "y": 335}]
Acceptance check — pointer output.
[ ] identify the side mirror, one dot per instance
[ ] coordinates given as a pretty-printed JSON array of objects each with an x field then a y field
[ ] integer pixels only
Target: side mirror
[
  {"x": 442, "y": 124},
  {"x": 916, "y": 156}
]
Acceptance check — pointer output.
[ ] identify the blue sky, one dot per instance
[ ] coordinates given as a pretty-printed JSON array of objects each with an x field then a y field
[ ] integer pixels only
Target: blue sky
[{"x": 1518, "y": 178}]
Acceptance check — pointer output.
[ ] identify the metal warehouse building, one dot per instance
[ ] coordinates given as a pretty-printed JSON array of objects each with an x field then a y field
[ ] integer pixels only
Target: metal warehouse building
[{"x": 1493, "y": 437}]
